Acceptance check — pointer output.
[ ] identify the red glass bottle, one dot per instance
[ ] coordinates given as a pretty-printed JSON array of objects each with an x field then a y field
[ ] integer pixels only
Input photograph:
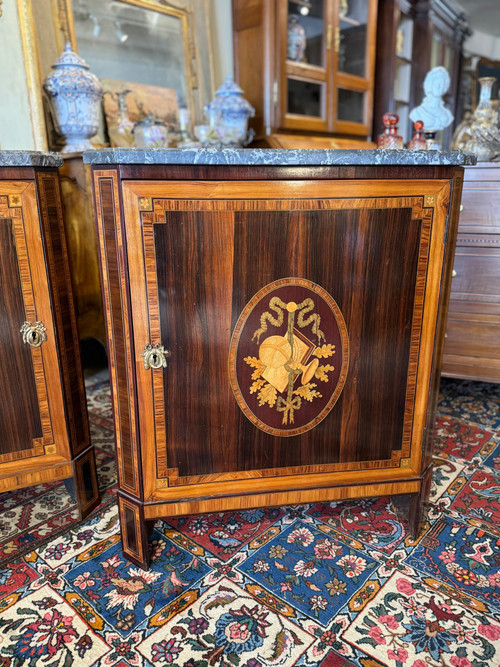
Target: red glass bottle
[
  {"x": 390, "y": 138},
  {"x": 417, "y": 142}
]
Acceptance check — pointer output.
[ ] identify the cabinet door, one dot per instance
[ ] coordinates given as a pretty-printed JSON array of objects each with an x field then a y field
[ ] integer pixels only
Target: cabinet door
[
  {"x": 352, "y": 85},
  {"x": 297, "y": 321},
  {"x": 305, "y": 64},
  {"x": 32, "y": 419}
]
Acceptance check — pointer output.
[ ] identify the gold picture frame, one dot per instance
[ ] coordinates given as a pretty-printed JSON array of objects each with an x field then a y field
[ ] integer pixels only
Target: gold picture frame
[{"x": 47, "y": 24}]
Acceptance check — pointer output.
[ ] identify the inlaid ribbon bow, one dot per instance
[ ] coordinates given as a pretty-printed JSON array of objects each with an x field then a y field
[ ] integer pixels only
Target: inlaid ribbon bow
[{"x": 287, "y": 406}]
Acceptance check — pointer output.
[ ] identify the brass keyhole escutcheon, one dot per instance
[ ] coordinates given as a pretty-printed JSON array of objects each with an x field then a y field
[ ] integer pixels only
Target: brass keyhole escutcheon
[
  {"x": 33, "y": 334},
  {"x": 155, "y": 356}
]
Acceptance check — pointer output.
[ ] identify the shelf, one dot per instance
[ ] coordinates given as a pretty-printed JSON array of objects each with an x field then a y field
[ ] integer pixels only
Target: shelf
[
  {"x": 305, "y": 71},
  {"x": 351, "y": 22}
]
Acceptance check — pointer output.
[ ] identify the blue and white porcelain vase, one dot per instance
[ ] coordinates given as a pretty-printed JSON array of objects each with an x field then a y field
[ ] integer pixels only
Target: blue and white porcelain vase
[
  {"x": 229, "y": 113},
  {"x": 75, "y": 95}
]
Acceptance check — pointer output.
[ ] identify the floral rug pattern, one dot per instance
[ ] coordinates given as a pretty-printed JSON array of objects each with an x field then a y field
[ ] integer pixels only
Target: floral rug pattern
[{"x": 327, "y": 584}]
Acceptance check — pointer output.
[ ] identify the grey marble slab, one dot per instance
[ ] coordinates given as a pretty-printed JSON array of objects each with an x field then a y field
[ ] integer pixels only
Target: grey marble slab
[
  {"x": 276, "y": 156},
  {"x": 29, "y": 159}
]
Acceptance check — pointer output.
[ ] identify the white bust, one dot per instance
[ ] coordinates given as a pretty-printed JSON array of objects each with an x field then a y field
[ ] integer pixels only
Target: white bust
[{"x": 432, "y": 111}]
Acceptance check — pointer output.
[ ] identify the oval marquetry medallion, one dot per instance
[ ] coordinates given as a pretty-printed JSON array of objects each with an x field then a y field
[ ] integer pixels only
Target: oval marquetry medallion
[{"x": 289, "y": 357}]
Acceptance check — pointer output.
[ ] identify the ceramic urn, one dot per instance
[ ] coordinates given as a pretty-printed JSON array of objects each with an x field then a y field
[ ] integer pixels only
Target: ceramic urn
[
  {"x": 75, "y": 95},
  {"x": 229, "y": 113}
]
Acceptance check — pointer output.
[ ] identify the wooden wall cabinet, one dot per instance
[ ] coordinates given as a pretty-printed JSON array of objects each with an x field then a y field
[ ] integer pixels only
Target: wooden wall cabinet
[
  {"x": 328, "y": 88},
  {"x": 43, "y": 414},
  {"x": 472, "y": 345},
  {"x": 274, "y": 330}
]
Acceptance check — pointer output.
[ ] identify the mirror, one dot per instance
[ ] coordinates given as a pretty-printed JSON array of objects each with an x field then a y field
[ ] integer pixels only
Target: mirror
[{"x": 132, "y": 42}]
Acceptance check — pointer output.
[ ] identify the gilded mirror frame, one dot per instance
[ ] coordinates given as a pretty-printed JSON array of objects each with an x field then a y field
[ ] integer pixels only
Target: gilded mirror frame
[
  {"x": 43, "y": 41},
  {"x": 33, "y": 73},
  {"x": 183, "y": 14}
]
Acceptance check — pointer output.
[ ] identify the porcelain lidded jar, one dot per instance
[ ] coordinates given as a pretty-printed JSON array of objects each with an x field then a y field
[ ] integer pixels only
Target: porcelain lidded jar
[
  {"x": 75, "y": 95},
  {"x": 151, "y": 132},
  {"x": 229, "y": 113}
]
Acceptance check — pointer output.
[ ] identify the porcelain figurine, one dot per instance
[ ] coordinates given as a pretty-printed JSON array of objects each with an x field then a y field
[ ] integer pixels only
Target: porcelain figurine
[
  {"x": 296, "y": 40},
  {"x": 228, "y": 114},
  {"x": 432, "y": 112},
  {"x": 75, "y": 95}
]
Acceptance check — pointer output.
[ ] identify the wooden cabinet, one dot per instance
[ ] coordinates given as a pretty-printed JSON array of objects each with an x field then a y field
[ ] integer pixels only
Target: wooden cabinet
[
  {"x": 413, "y": 36},
  {"x": 43, "y": 416},
  {"x": 274, "y": 330},
  {"x": 472, "y": 346},
  {"x": 325, "y": 86}
]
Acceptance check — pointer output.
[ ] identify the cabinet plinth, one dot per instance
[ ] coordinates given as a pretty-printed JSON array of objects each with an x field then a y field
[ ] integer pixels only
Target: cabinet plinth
[
  {"x": 43, "y": 413},
  {"x": 274, "y": 332}
]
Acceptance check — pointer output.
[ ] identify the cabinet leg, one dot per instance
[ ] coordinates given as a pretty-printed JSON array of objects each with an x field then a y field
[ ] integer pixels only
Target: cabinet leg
[
  {"x": 418, "y": 502},
  {"x": 70, "y": 488},
  {"x": 85, "y": 486},
  {"x": 135, "y": 531}
]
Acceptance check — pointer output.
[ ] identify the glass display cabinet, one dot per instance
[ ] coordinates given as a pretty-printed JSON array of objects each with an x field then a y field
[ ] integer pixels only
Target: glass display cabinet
[{"x": 316, "y": 71}]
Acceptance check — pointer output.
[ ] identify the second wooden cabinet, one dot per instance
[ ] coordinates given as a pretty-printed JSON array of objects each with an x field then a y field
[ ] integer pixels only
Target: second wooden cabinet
[
  {"x": 43, "y": 415},
  {"x": 472, "y": 346}
]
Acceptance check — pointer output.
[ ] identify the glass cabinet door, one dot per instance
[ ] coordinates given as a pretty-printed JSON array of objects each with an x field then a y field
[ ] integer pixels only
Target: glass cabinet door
[
  {"x": 327, "y": 65},
  {"x": 352, "y": 37},
  {"x": 306, "y": 64},
  {"x": 305, "y": 32},
  {"x": 353, "y": 42}
]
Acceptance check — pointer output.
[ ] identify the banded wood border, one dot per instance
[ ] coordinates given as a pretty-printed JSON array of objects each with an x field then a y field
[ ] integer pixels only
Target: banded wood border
[
  {"x": 37, "y": 301},
  {"x": 160, "y": 205},
  {"x": 137, "y": 527},
  {"x": 272, "y": 499},
  {"x": 20, "y": 480},
  {"x": 119, "y": 338}
]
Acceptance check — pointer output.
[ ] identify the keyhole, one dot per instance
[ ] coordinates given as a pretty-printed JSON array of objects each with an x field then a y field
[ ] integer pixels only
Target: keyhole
[
  {"x": 34, "y": 336},
  {"x": 155, "y": 360}
]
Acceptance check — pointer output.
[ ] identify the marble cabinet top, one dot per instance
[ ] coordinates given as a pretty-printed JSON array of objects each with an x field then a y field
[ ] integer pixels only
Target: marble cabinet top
[
  {"x": 29, "y": 159},
  {"x": 278, "y": 157}
]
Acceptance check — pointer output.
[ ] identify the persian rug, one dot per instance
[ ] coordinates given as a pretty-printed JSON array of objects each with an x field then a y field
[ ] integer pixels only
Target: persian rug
[
  {"x": 35, "y": 515},
  {"x": 328, "y": 584}
]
